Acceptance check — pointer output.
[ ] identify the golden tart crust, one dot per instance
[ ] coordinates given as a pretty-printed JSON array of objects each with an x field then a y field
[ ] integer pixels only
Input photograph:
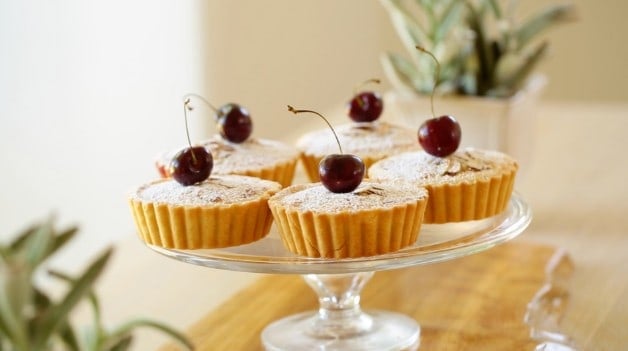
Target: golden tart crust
[
  {"x": 225, "y": 210},
  {"x": 371, "y": 141},
  {"x": 468, "y": 185},
  {"x": 373, "y": 219},
  {"x": 262, "y": 158}
]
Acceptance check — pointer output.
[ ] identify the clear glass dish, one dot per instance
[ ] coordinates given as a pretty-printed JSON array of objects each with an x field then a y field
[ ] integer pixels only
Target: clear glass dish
[
  {"x": 340, "y": 324},
  {"x": 437, "y": 242}
]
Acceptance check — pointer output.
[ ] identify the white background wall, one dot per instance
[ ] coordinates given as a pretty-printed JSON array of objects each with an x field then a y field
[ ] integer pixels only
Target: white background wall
[{"x": 90, "y": 91}]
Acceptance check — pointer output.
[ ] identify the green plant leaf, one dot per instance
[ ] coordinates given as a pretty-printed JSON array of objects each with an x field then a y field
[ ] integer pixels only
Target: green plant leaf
[
  {"x": 7, "y": 333},
  {"x": 495, "y": 8},
  {"x": 400, "y": 71},
  {"x": 407, "y": 27},
  {"x": 90, "y": 338},
  {"x": 513, "y": 82},
  {"x": 496, "y": 51},
  {"x": 448, "y": 19},
  {"x": 484, "y": 76},
  {"x": 37, "y": 246},
  {"x": 41, "y": 301},
  {"x": 15, "y": 293},
  {"x": 93, "y": 299},
  {"x": 42, "y": 240},
  {"x": 31, "y": 321},
  {"x": 467, "y": 84},
  {"x": 20, "y": 239},
  {"x": 543, "y": 20},
  {"x": 51, "y": 244},
  {"x": 68, "y": 337},
  {"x": 128, "y": 327},
  {"x": 444, "y": 26},
  {"x": 61, "y": 239},
  {"x": 123, "y": 345},
  {"x": 427, "y": 7},
  {"x": 451, "y": 71},
  {"x": 66, "y": 333},
  {"x": 58, "y": 314}
]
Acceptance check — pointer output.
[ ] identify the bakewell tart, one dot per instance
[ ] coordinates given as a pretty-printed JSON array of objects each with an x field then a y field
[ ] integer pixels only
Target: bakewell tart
[
  {"x": 262, "y": 158},
  {"x": 469, "y": 184},
  {"x": 221, "y": 211},
  {"x": 375, "y": 218},
  {"x": 371, "y": 141}
]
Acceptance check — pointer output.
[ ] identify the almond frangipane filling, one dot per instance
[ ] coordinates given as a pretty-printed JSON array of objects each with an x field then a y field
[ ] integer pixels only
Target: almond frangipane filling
[
  {"x": 232, "y": 158},
  {"x": 215, "y": 190},
  {"x": 373, "y": 137},
  {"x": 369, "y": 195},
  {"x": 462, "y": 166}
]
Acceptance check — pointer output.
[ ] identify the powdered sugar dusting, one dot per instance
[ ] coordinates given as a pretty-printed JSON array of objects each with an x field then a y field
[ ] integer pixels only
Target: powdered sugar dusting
[
  {"x": 358, "y": 138},
  {"x": 369, "y": 195},
  {"x": 463, "y": 166},
  {"x": 225, "y": 189},
  {"x": 243, "y": 157}
]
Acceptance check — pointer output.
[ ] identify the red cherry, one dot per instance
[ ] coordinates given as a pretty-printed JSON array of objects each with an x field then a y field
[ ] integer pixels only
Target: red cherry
[
  {"x": 365, "y": 107},
  {"x": 234, "y": 123},
  {"x": 191, "y": 165},
  {"x": 440, "y": 136},
  {"x": 341, "y": 173}
]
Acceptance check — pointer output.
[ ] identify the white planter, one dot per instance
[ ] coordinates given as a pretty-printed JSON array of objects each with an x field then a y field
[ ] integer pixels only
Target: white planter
[{"x": 507, "y": 125}]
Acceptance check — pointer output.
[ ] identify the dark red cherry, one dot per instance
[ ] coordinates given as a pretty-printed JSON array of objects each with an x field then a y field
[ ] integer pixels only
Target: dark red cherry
[
  {"x": 234, "y": 123},
  {"x": 366, "y": 107},
  {"x": 188, "y": 169},
  {"x": 440, "y": 136},
  {"x": 341, "y": 173}
]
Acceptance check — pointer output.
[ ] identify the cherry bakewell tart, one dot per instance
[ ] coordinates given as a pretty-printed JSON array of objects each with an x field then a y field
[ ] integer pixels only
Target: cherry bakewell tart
[
  {"x": 262, "y": 158},
  {"x": 371, "y": 141},
  {"x": 469, "y": 184},
  {"x": 375, "y": 218},
  {"x": 221, "y": 211}
]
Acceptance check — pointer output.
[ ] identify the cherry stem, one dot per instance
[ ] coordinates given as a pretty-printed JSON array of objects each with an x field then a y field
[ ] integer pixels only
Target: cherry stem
[
  {"x": 187, "y": 98},
  {"x": 436, "y": 76},
  {"x": 186, "y": 108},
  {"x": 372, "y": 80},
  {"x": 295, "y": 111}
]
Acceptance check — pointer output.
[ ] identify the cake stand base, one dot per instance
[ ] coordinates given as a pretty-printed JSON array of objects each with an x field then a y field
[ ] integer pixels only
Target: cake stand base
[
  {"x": 340, "y": 324},
  {"x": 390, "y": 332}
]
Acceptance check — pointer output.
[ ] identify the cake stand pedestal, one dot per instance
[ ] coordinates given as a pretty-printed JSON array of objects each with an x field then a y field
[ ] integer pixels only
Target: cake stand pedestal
[{"x": 340, "y": 323}]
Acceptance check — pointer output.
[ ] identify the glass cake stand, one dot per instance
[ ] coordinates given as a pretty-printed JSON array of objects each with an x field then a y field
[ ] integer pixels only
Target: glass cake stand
[{"x": 340, "y": 323}]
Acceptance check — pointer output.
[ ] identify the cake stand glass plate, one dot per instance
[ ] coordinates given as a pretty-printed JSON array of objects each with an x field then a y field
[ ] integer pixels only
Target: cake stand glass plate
[{"x": 340, "y": 324}]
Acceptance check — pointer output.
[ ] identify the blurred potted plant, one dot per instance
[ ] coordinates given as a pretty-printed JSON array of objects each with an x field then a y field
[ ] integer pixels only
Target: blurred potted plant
[
  {"x": 31, "y": 320},
  {"x": 488, "y": 62}
]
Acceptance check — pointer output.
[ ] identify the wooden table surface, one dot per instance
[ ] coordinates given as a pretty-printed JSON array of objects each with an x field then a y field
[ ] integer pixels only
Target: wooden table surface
[
  {"x": 478, "y": 302},
  {"x": 575, "y": 184}
]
